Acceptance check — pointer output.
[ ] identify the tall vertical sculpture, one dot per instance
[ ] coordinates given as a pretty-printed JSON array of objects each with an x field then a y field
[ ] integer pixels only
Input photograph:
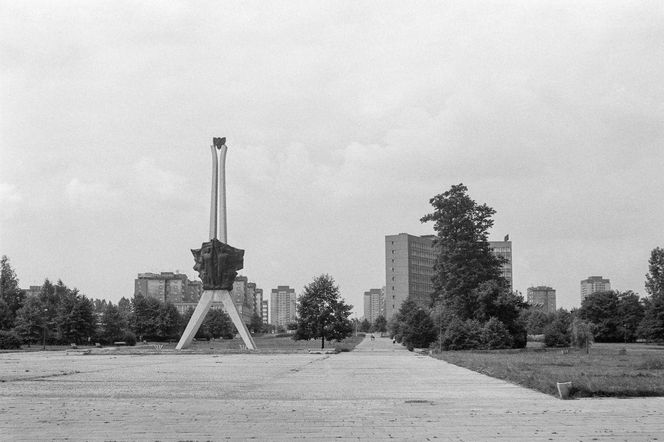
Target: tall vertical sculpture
[{"x": 217, "y": 263}]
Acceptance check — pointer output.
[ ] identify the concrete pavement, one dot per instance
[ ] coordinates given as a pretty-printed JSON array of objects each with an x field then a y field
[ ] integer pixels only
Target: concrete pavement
[{"x": 379, "y": 391}]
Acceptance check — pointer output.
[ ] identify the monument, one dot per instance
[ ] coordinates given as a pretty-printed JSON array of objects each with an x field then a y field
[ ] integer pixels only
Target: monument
[{"x": 217, "y": 263}]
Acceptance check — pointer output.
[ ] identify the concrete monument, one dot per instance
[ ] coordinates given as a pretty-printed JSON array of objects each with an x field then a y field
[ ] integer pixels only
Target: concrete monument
[{"x": 217, "y": 263}]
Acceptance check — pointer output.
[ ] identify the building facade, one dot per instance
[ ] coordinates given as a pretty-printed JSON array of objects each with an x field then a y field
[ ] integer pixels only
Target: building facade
[
  {"x": 409, "y": 262},
  {"x": 542, "y": 298},
  {"x": 594, "y": 284},
  {"x": 503, "y": 249},
  {"x": 264, "y": 311},
  {"x": 374, "y": 304},
  {"x": 283, "y": 302},
  {"x": 184, "y": 294}
]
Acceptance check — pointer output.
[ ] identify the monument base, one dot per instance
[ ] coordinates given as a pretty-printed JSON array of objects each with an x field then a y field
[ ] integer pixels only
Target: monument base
[{"x": 207, "y": 298}]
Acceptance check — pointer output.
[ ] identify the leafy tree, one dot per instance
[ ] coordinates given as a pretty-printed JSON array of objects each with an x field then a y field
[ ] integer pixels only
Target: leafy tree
[
  {"x": 652, "y": 325},
  {"x": 10, "y": 293},
  {"x": 380, "y": 324},
  {"x": 291, "y": 326},
  {"x": 419, "y": 330},
  {"x": 113, "y": 324},
  {"x": 322, "y": 313},
  {"x": 655, "y": 275},
  {"x": 494, "y": 300},
  {"x": 616, "y": 315},
  {"x": 256, "y": 325},
  {"x": 219, "y": 324},
  {"x": 582, "y": 334},
  {"x": 32, "y": 320},
  {"x": 168, "y": 322},
  {"x": 75, "y": 318},
  {"x": 365, "y": 325},
  {"x": 556, "y": 333},
  {"x": 495, "y": 335},
  {"x": 535, "y": 321},
  {"x": 464, "y": 259},
  {"x": 6, "y": 318},
  {"x": 145, "y": 319},
  {"x": 630, "y": 314},
  {"x": 601, "y": 308}
]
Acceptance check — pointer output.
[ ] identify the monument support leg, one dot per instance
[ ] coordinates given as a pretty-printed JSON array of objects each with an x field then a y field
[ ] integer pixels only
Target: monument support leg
[
  {"x": 196, "y": 319},
  {"x": 231, "y": 309}
]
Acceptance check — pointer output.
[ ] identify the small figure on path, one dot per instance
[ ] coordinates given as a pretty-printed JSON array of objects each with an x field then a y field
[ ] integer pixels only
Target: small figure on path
[{"x": 373, "y": 338}]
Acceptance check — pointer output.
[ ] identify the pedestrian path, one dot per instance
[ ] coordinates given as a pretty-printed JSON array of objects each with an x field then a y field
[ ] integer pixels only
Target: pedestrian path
[{"x": 379, "y": 392}]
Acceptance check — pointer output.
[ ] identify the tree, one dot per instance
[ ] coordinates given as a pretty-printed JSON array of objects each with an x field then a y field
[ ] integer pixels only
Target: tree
[
  {"x": 630, "y": 314},
  {"x": 32, "y": 320},
  {"x": 10, "y": 293},
  {"x": 419, "y": 331},
  {"x": 322, "y": 313},
  {"x": 556, "y": 333},
  {"x": 380, "y": 324},
  {"x": 219, "y": 324},
  {"x": 601, "y": 308},
  {"x": 75, "y": 318},
  {"x": 464, "y": 258},
  {"x": 655, "y": 275},
  {"x": 582, "y": 333},
  {"x": 113, "y": 324},
  {"x": 652, "y": 325},
  {"x": 365, "y": 325},
  {"x": 145, "y": 319},
  {"x": 256, "y": 324},
  {"x": 535, "y": 320}
]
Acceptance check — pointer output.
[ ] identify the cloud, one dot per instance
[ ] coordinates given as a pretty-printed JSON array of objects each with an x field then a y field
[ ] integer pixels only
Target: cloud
[
  {"x": 92, "y": 195},
  {"x": 10, "y": 200},
  {"x": 151, "y": 180}
]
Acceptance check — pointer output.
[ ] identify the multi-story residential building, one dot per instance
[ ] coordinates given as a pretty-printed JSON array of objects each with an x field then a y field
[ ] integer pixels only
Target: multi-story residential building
[
  {"x": 542, "y": 298},
  {"x": 33, "y": 291},
  {"x": 264, "y": 311},
  {"x": 503, "y": 249},
  {"x": 374, "y": 304},
  {"x": 409, "y": 262},
  {"x": 594, "y": 284},
  {"x": 257, "y": 298},
  {"x": 283, "y": 302}
]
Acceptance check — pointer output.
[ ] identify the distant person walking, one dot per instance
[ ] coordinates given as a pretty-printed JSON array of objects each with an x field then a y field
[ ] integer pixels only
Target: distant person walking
[{"x": 373, "y": 338}]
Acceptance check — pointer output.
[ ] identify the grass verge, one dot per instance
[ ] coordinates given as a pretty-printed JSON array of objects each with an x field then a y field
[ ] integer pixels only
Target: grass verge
[{"x": 617, "y": 370}]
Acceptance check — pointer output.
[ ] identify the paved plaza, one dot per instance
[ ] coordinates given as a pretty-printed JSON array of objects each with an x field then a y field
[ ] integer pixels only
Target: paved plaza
[{"x": 379, "y": 391}]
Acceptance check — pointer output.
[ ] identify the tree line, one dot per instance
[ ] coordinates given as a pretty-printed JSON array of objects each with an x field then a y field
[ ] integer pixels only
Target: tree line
[
  {"x": 472, "y": 306},
  {"x": 59, "y": 315}
]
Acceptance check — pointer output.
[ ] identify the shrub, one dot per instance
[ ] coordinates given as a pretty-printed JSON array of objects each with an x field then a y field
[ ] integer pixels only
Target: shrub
[
  {"x": 9, "y": 340},
  {"x": 581, "y": 333},
  {"x": 129, "y": 338},
  {"x": 495, "y": 335},
  {"x": 556, "y": 336}
]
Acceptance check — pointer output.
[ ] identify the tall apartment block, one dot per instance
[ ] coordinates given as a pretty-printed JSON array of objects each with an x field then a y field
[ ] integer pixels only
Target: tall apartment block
[
  {"x": 283, "y": 303},
  {"x": 374, "y": 304},
  {"x": 184, "y": 294},
  {"x": 168, "y": 287},
  {"x": 409, "y": 262},
  {"x": 542, "y": 298},
  {"x": 504, "y": 250},
  {"x": 264, "y": 311},
  {"x": 594, "y": 284}
]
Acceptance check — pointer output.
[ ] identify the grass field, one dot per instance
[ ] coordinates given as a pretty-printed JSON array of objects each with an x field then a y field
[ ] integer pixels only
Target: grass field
[
  {"x": 617, "y": 370},
  {"x": 265, "y": 344}
]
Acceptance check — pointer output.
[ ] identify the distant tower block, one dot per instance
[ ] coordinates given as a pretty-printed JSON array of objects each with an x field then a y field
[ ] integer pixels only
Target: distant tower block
[{"x": 217, "y": 263}]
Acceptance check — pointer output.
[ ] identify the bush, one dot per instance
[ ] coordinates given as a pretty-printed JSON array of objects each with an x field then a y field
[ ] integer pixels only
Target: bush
[
  {"x": 463, "y": 335},
  {"x": 555, "y": 336},
  {"x": 129, "y": 338},
  {"x": 495, "y": 335},
  {"x": 9, "y": 340}
]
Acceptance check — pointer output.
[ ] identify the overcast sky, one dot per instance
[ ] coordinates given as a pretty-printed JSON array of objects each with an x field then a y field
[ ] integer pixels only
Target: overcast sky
[{"x": 343, "y": 119}]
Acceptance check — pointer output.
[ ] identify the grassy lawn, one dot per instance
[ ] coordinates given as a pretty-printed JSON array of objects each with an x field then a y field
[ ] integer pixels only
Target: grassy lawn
[
  {"x": 265, "y": 344},
  {"x": 609, "y": 370}
]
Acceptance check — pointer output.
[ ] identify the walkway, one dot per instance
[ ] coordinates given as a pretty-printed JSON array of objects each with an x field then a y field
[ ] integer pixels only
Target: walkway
[{"x": 380, "y": 391}]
